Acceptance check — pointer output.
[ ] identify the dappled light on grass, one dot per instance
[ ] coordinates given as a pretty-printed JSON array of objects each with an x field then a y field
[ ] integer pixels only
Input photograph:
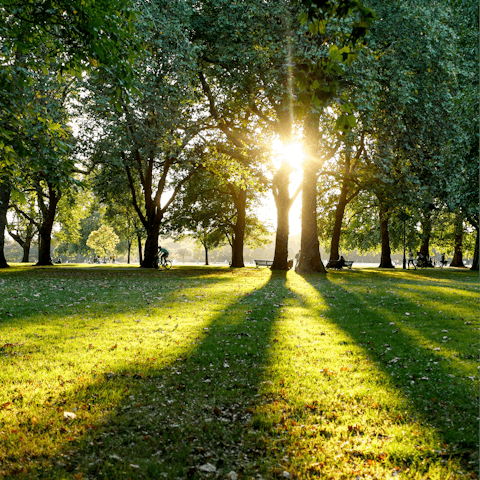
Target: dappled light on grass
[
  {"x": 86, "y": 361},
  {"x": 337, "y": 410},
  {"x": 441, "y": 382},
  {"x": 201, "y": 372}
]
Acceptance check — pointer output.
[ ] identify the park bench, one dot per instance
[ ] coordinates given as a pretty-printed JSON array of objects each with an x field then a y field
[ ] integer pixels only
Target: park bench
[
  {"x": 263, "y": 263},
  {"x": 338, "y": 264}
]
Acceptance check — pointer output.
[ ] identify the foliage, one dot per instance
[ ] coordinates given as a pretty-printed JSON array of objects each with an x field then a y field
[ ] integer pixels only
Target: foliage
[
  {"x": 73, "y": 208},
  {"x": 149, "y": 131},
  {"x": 61, "y": 35},
  {"x": 103, "y": 241}
]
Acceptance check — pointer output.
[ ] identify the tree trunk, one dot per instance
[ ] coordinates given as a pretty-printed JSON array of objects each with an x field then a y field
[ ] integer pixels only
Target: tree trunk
[
  {"x": 426, "y": 233},
  {"x": 44, "y": 245},
  {"x": 458, "y": 253},
  {"x": 206, "y": 255},
  {"x": 239, "y": 229},
  {"x": 25, "y": 244},
  {"x": 337, "y": 227},
  {"x": 45, "y": 229},
  {"x": 283, "y": 204},
  {"x": 386, "y": 260},
  {"x": 151, "y": 245},
  {"x": 475, "y": 254},
  {"x": 129, "y": 243},
  {"x": 26, "y": 252},
  {"x": 340, "y": 210},
  {"x": 26, "y": 248},
  {"x": 310, "y": 260},
  {"x": 30, "y": 233},
  {"x": 140, "y": 256},
  {"x": 5, "y": 189}
]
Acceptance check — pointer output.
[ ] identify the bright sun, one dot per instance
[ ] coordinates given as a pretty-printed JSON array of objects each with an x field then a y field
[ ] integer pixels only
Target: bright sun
[
  {"x": 294, "y": 156},
  {"x": 292, "y": 153}
]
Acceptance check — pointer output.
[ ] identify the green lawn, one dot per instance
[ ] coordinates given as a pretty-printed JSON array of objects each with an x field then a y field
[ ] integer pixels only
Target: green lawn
[{"x": 116, "y": 373}]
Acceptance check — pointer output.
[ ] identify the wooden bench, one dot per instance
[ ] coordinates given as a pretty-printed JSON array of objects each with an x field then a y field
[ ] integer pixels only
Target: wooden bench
[
  {"x": 263, "y": 263},
  {"x": 349, "y": 263}
]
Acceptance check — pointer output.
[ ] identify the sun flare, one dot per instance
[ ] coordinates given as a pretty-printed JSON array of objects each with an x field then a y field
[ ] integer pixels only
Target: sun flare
[{"x": 291, "y": 153}]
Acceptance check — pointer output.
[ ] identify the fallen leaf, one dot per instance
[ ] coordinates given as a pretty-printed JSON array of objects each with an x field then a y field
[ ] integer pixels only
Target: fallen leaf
[{"x": 208, "y": 467}]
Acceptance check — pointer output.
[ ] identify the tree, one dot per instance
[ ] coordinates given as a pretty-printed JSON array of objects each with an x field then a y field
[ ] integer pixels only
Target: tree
[
  {"x": 73, "y": 211},
  {"x": 103, "y": 241},
  {"x": 48, "y": 170},
  {"x": 401, "y": 81},
  {"x": 23, "y": 230},
  {"x": 37, "y": 38},
  {"x": 209, "y": 240},
  {"x": 310, "y": 260},
  {"x": 150, "y": 131},
  {"x": 206, "y": 210},
  {"x": 5, "y": 190},
  {"x": 110, "y": 182}
]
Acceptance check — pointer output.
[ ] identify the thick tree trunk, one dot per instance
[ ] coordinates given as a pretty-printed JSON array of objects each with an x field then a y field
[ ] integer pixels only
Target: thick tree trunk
[
  {"x": 457, "y": 260},
  {"x": 426, "y": 234},
  {"x": 45, "y": 229},
  {"x": 5, "y": 190},
  {"x": 386, "y": 259},
  {"x": 26, "y": 252},
  {"x": 45, "y": 244},
  {"x": 475, "y": 254},
  {"x": 310, "y": 260},
  {"x": 239, "y": 230},
  {"x": 151, "y": 245},
  {"x": 283, "y": 204}
]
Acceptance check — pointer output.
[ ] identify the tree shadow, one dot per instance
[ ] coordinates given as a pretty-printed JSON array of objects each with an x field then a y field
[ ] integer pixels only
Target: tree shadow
[
  {"x": 43, "y": 302},
  {"x": 428, "y": 374},
  {"x": 180, "y": 419}
]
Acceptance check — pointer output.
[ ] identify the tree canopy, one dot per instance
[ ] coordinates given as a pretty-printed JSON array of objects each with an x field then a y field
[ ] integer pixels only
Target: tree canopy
[{"x": 168, "y": 113}]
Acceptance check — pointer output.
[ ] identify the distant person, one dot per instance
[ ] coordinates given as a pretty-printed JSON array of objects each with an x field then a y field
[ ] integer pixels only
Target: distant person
[
  {"x": 443, "y": 261},
  {"x": 410, "y": 259},
  {"x": 297, "y": 259},
  {"x": 163, "y": 252}
]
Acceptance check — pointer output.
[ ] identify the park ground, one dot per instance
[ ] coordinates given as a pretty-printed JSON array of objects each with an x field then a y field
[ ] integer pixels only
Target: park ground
[{"x": 196, "y": 372}]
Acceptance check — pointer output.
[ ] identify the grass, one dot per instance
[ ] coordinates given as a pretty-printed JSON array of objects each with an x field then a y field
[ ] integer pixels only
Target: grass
[{"x": 221, "y": 373}]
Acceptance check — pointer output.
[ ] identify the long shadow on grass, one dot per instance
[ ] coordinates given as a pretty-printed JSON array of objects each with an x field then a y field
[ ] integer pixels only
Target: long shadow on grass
[
  {"x": 30, "y": 293},
  {"x": 185, "y": 419},
  {"x": 440, "y": 399},
  {"x": 443, "y": 278}
]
